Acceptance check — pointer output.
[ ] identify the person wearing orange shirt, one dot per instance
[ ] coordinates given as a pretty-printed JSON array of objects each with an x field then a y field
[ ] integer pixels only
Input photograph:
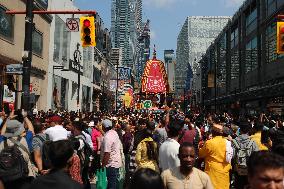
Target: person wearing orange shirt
[{"x": 214, "y": 154}]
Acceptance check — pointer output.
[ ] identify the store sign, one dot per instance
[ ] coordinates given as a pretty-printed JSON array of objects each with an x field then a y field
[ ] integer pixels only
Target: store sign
[
  {"x": 74, "y": 66},
  {"x": 14, "y": 69},
  {"x": 124, "y": 73},
  {"x": 147, "y": 104}
]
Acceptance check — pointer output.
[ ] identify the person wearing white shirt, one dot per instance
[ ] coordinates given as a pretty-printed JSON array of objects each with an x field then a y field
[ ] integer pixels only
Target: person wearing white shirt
[
  {"x": 169, "y": 150},
  {"x": 56, "y": 131}
]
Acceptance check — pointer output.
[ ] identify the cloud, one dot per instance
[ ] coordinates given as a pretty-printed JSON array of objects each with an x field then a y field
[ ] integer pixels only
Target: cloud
[
  {"x": 160, "y": 3},
  {"x": 152, "y": 34},
  {"x": 233, "y": 3}
]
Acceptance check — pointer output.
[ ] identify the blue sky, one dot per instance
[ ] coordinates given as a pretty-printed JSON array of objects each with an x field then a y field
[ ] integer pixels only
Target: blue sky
[{"x": 166, "y": 16}]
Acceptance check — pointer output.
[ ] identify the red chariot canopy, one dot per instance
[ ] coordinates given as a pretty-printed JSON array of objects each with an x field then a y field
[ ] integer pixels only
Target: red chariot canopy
[{"x": 154, "y": 79}]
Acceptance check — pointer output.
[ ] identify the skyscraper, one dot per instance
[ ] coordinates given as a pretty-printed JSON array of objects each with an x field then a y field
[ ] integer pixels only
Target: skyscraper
[
  {"x": 169, "y": 58},
  {"x": 197, "y": 33},
  {"x": 126, "y": 20}
]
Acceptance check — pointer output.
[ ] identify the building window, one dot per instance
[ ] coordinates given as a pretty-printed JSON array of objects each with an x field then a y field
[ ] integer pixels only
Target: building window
[
  {"x": 280, "y": 3},
  {"x": 87, "y": 62},
  {"x": 251, "y": 55},
  {"x": 270, "y": 7},
  {"x": 234, "y": 37},
  {"x": 235, "y": 66},
  {"x": 6, "y": 24},
  {"x": 61, "y": 42},
  {"x": 251, "y": 21},
  {"x": 37, "y": 42}
]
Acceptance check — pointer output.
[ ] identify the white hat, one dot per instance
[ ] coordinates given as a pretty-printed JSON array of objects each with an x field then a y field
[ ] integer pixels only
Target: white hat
[
  {"x": 35, "y": 111},
  {"x": 91, "y": 124}
]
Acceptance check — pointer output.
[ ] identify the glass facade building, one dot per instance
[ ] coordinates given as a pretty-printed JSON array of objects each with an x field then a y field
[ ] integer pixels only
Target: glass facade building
[
  {"x": 196, "y": 34},
  {"x": 248, "y": 71}
]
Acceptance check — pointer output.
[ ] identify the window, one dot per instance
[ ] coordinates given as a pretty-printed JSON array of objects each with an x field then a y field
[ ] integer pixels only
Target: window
[
  {"x": 37, "y": 42},
  {"x": 234, "y": 37},
  {"x": 251, "y": 21},
  {"x": 61, "y": 42},
  {"x": 6, "y": 24},
  {"x": 280, "y": 3},
  {"x": 235, "y": 66},
  {"x": 251, "y": 55},
  {"x": 270, "y": 7},
  {"x": 87, "y": 62}
]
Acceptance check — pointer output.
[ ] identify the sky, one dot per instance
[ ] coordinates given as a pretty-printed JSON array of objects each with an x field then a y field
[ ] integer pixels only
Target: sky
[{"x": 166, "y": 16}]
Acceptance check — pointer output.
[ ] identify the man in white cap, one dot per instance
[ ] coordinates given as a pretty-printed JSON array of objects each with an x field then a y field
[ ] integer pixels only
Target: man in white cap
[{"x": 111, "y": 153}]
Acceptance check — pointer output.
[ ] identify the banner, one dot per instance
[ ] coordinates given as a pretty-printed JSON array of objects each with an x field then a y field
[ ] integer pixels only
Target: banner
[{"x": 124, "y": 74}]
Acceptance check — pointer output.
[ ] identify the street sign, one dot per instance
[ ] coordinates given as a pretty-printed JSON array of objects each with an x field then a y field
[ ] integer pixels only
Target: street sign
[
  {"x": 14, "y": 69},
  {"x": 72, "y": 24},
  {"x": 147, "y": 104}
]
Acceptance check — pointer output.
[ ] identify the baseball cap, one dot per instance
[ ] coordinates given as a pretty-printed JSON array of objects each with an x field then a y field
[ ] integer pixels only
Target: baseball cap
[
  {"x": 107, "y": 123},
  {"x": 55, "y": 118}
]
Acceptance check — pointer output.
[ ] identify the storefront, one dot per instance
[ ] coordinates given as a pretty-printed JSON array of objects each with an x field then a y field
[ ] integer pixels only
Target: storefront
[
  {"x": 86, "y": 98},
  {"x": 59, "y": 93}
]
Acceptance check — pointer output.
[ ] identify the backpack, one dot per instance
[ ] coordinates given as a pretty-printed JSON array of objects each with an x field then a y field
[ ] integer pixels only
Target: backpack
[
  {"x": 46, "y": 163},
  {"x": 85, "y": 153},
  {"x": 241, "y": 157},
  {"x": 12, "y": 163}
]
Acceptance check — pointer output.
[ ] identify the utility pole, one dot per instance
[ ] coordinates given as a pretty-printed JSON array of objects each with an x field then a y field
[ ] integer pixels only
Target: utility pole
[
  {"x": 116, "y": 91},
  {"x": 27, "y": 58}
]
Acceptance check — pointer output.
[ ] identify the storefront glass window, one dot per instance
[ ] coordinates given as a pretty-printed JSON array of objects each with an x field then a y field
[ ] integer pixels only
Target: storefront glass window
[
  {"x": 6, "y": 24},
  {"x": 86, "y": 98},
  {"x": 60, "y": 93}
]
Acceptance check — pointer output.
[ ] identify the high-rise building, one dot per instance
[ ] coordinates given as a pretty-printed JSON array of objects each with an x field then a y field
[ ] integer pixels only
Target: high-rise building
[
  {"x": 197, "y": 33},
  {"x": 126, "y": 20},
  {"x": 169, "y": 58},
  {"x": 143, "y": 50}
]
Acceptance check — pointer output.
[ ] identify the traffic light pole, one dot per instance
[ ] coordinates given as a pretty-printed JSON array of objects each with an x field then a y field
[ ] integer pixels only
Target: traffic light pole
[{"x": 27, "y": 60}]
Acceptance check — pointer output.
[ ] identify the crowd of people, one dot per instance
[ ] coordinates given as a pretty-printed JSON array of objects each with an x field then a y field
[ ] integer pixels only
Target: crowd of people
[{"x": 138, "y": 150}]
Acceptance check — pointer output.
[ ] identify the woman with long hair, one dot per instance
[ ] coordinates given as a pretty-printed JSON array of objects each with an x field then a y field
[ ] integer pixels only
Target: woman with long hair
[{"x": 147, "y": 153}]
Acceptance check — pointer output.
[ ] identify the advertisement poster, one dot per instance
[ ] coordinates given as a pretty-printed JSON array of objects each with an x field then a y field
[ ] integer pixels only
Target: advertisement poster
[{"x": 9, "y": 96}]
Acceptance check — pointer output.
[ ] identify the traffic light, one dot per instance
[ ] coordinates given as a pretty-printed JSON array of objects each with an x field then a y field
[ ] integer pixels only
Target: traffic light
[
  {"x": 87, "y": 26},
  {"x": 280, "y": 37}
]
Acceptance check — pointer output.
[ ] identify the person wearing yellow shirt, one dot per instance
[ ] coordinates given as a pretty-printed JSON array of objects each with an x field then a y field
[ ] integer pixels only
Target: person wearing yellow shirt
[
  {"x": 214, "y": 154},
  {"x": 147, "y": 152},
  {"x": 258, "y": 127}
]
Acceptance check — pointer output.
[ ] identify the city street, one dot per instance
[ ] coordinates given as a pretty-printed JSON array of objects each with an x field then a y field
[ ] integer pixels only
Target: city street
[{"x": 136, "y": 94}]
